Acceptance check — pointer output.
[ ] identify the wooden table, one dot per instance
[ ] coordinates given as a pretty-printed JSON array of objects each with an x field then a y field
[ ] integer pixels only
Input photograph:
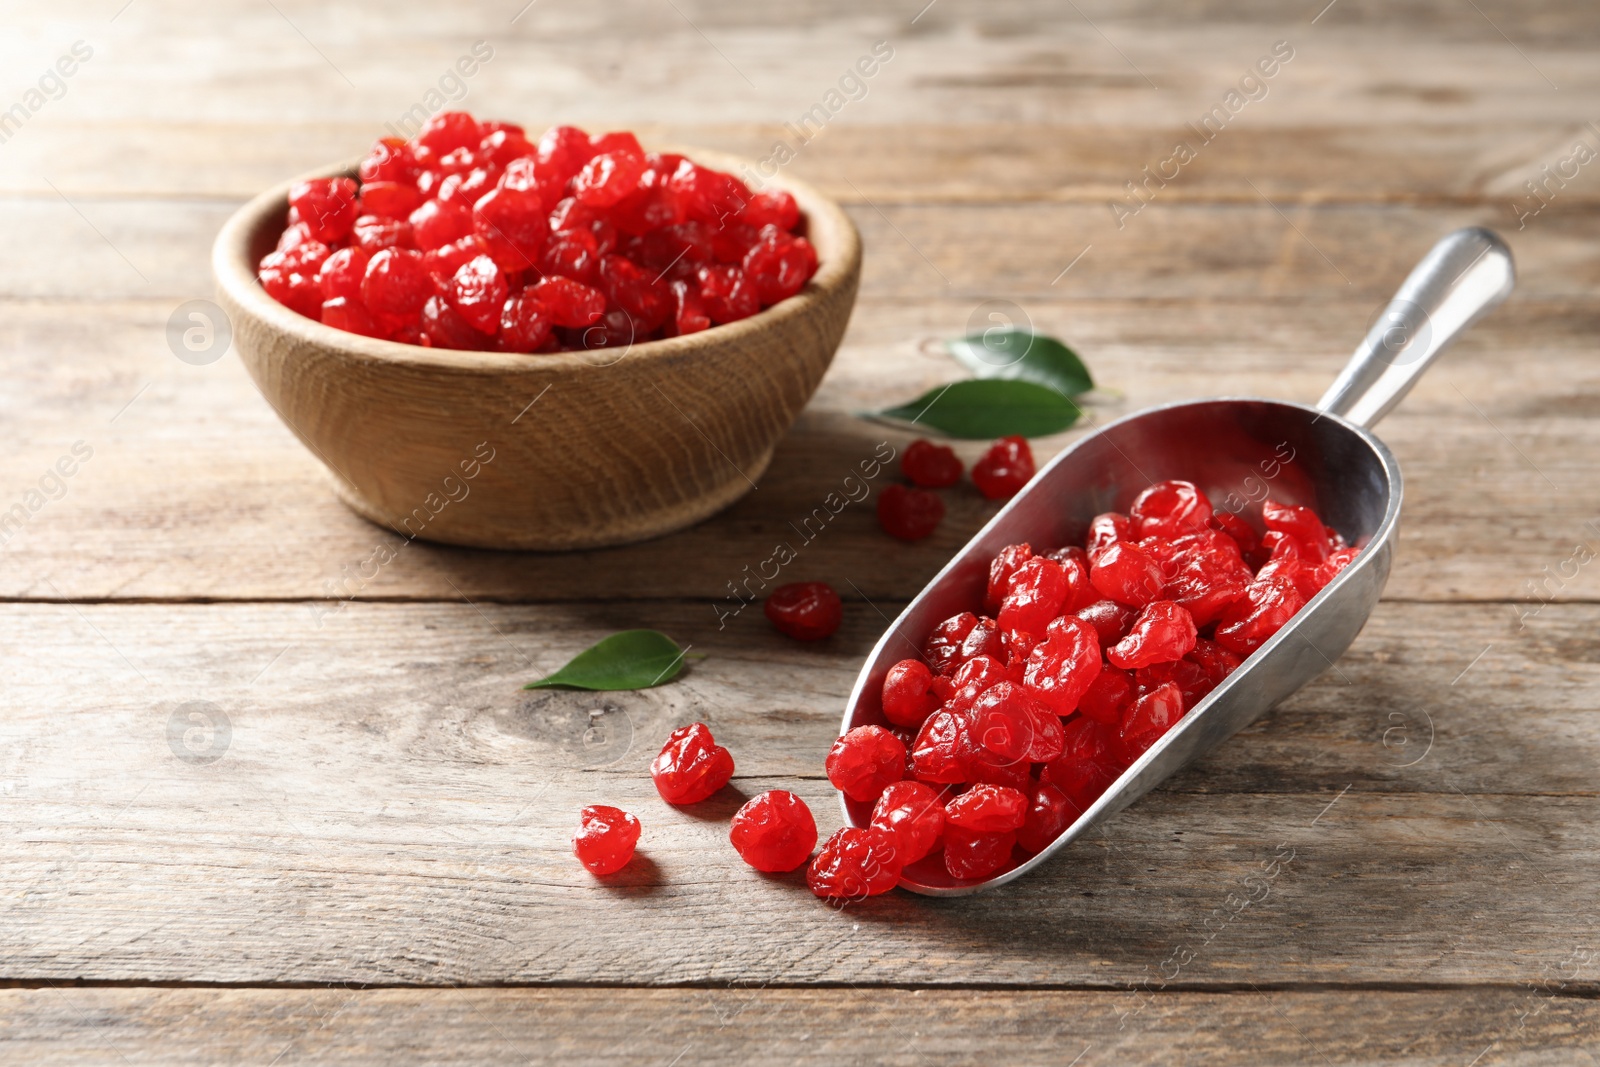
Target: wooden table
[{"x": 375, "y": 867}]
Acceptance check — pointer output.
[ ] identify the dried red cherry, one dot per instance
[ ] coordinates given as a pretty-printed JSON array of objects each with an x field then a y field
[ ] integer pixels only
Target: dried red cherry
[
  {"x": 914, "y": 813},
  {"x": 774, "y": 831},
  {"x": 806, "y": 611},
  {"x": 605, "y": 839},
  {"x": 856, "y": 862},
  {"x": 930, "y": 466},
  {"x": 865, "y": 761},
  {"x": 909, "y": 514},
  {"x": 691, "y": 765},
  {"x": 1004, "y": 468}
]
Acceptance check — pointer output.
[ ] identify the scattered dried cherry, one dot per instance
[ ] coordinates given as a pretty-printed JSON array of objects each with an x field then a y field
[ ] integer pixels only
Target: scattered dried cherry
[
  {"x": 909, "y": 514},
  {"x": 774, "y": 831},
  {"x": 856, "y": 862},
  {"x": 930, "y": 466},
  {"x": 605, "y": 839},
  {"x": 806, "y": 611},
  {"x": 691, "y": 765},
  {"x": 1004, "y": 469}
]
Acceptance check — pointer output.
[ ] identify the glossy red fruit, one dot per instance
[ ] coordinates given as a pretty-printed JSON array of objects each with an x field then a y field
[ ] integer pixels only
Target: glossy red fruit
[
  {"x": 1050, "y": 812},
  {"x": 1111, "y": 621},
  {"x": 1035, "y": 594},
  {"x": 863, "y": 762},
  {"x": 1107, "y": 696},
  {"x": 562, "y": 152},
  {"x": 1090, "y": 761},
  {"x": 608, "y": 177},
  {"x": 909, "y": 514},
  {"x": 941, "y": 748},
  {"x": 1162, "y": 633},
  {"x": 688, "y": 311},
  {"x": 771, "y": 207},
  {"x": 327, "y": 206},
  {"x": 373, "y": 234},
  {"x": 1004, "y": 469},
  {"x": 1170, "y": 509},
  {"x": 942, "y": 649},
  {"x": 525, "y": 323},
  {"x": 1006, "y": 563},
  {"x": 1106, "y": 530},
  {"x": 513, "y": 227},
  {"x": 290, "y": 276},
  {"x": 1063, "y": 667},
  {"x": 908, "y": 696},
  {"x": 774, "y": 831},
  {"x": 390, "y": 200},
  {"x": 570, "y": 303},
  {"x": 389, "y": 161},
  {"x": 1240, "y": 532},
  {"x": 436, "y": 223},
  {"x": 605, "y": 839},
  {"x": 1149, "y": 717},
  {"x": 1009, "y": 722},
  {"x": 930, "y": 466},
  {"x": 779, "y": 264},
  {"x": 913, "y": 812},
  {"x": 691, "y": 765},
  {"x": 991, "y": 809},
  {"x": 397, "y": 282},
  {"x": 635, "y": 291},
  {"x": 856, "y": 862},
  {"x": 443, "y": 327},
  {"x": 727, "y": 294},
  {"x": 974, "y": 854},
  {"x": 478, "y": 292},
  {"x": 343, "y": 313},
  {"x": 341, "y": 274},
  {"x": 1266, "y": 605},
  {"x": 806, "y": 611},
  {"x": 1126, "y": 573},
  {"x": 449, "y": 130},
  {"x": 975, "y": 677},
  {"x": 1300, "y": 523}
]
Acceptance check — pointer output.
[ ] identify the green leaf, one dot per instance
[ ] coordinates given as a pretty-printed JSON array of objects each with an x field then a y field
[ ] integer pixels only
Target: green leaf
[
  {"x": 1012, "y": 354},
  {"x": 632, "y": 659},
  {"x": 982, "y": 408}
]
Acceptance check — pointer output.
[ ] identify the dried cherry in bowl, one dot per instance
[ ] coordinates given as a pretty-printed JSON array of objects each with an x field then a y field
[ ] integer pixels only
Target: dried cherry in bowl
[{"x": 618, "y": 445}]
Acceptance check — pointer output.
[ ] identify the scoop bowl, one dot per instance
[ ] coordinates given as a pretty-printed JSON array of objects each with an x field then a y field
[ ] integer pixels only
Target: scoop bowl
[{"x": 1239, "y": 450}]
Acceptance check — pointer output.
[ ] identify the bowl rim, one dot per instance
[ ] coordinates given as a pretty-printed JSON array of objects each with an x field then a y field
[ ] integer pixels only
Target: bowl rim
[{"x": 838, "y": 265}]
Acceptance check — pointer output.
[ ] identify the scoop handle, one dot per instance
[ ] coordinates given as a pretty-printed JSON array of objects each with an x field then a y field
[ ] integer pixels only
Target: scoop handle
[{"x": 1460, "y": 280}]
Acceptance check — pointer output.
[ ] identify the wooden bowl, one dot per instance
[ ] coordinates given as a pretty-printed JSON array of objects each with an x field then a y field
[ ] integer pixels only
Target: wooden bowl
[{"x": 562, "y": 451}]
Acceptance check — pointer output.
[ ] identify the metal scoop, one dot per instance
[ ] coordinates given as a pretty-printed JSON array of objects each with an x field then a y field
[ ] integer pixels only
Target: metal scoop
[{"x": 1239, "y": 450}]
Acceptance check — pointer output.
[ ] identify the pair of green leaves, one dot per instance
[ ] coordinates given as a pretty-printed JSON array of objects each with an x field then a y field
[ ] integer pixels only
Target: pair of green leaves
[
  {"x": 1025, "y": 385},
  {"x": 632, "y": 659}
]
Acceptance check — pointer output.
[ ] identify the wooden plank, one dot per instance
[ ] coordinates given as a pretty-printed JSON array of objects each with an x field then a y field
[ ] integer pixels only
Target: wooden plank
[
  {"x": 77, "y": 1026},
  {"x": 196, "y": 468},
  {"x": 1427, "y": 162},
  {"x": 389, "y": 806}
]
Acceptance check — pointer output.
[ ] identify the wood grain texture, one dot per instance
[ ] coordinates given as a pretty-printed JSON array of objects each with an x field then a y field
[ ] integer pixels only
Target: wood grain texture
[
  {"x": 196, "y": 467},
  {"x": 1542, "y": 1024},
  {"x": 389, "y": 806}
]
